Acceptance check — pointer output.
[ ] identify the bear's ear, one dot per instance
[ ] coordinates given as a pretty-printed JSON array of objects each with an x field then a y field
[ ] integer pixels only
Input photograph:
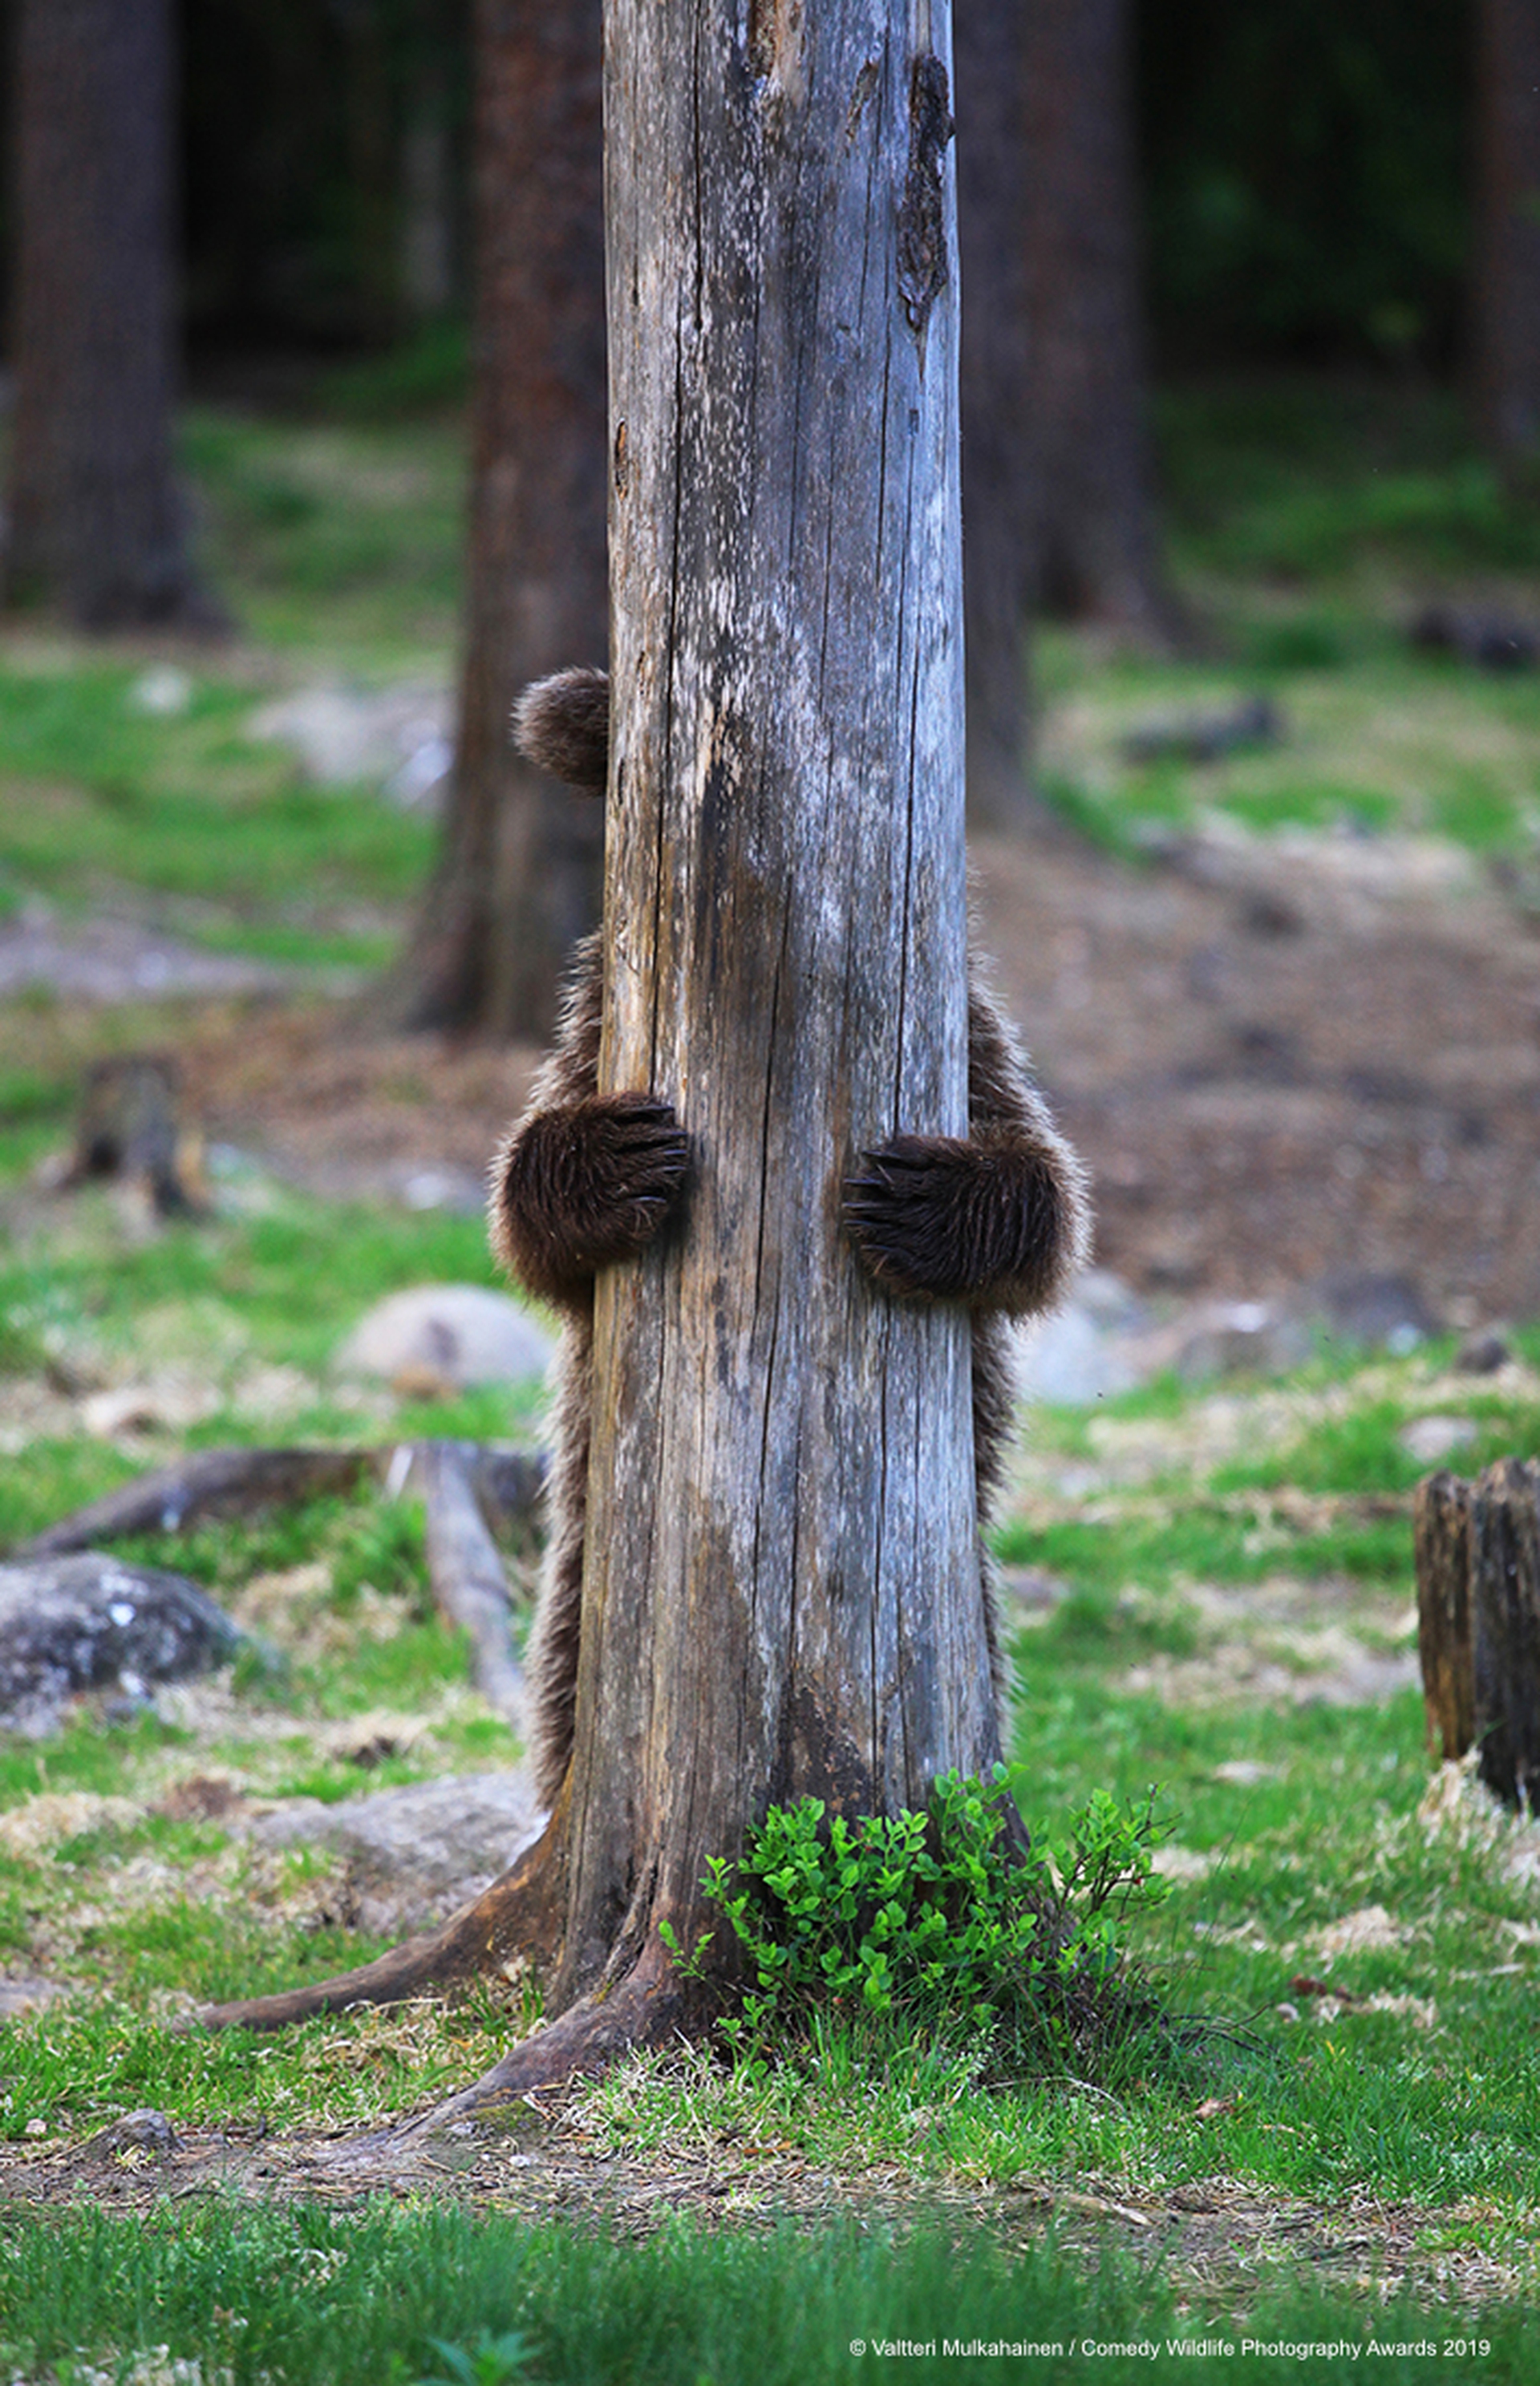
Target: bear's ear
[{"x": 563, "y": 724}]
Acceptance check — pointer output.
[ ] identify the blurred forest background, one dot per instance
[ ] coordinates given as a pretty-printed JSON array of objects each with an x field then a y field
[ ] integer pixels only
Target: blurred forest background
[{"x": 305, "y": 382}]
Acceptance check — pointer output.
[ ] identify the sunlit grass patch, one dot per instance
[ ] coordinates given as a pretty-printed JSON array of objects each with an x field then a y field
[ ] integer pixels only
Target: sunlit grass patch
[
  {"x": 342, "y": 539},
  {"x": 224, "y": 1299},
  {"x": 191, "y": 817},
  {"x": 79, "y": 2066}
]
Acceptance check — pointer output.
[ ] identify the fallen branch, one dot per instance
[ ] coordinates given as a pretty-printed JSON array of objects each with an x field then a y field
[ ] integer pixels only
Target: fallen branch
[
  {"x": 466, "y": 1572},
  {"x": 211, "y": 1482},
  {"x": 226, "y": 1483},
  {"x": 507, "y": 1483}
]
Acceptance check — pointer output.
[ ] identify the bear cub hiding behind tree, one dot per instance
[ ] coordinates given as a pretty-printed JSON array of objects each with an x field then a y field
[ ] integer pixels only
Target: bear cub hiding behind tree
[{"x": 998, "y": 1221}]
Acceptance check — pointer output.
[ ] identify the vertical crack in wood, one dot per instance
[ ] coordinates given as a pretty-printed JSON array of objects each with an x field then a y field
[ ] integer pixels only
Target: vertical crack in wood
[
  {"x": 922, "y": 214},
  {"x": 862, "y": 92}
]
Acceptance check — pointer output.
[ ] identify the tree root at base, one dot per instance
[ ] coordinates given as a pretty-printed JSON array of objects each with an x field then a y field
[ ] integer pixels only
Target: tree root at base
[
  {"x": 519, "y": 1916},
  {"x": 649, "y": 2007}
]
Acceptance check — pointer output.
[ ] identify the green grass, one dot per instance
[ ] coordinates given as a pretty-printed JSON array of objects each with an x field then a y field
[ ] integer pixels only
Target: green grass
[
  {"x": 337, "y": 547},
  {"x": 1308, "y": 522},
  {"x": 223, "y": 1301},
  {"x": 341, "y": 539},
  {"x": 212, "y": 830},
  {"x": 77, "y": 2070},
  {"x": 1316, "y": 480},
  {"x": 306, "y": 2294}
]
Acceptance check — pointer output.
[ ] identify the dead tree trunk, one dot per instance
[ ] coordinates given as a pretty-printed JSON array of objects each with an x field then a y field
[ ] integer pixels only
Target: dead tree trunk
[
  {"x": 1507, "y": 296},
  {"x": 518, "y": 878},
  {"x": 783, "y": 1591},
  {"x": 1478, "y": 1600},
  {"x": 997, "y": 512},
  {"x": 96, "y": 523},
  {"x": 1094, "y": 553}
]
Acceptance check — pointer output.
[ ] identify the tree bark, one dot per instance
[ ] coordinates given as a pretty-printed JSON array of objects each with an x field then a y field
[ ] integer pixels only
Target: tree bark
[
  {"x": 1442, "y": 1535},
  {"x": 1478, "y": 1597},
  {"x": 1095, "y": 553},
  {"x": 1507, "y": 294},
  {"x": 1505, "y": 1635},
  {"x": 782, "y": 1593},
  {"x": 997, "y": 491},
  {"x": 518, "y": 876},
  {"x": 96, "y": 525}
]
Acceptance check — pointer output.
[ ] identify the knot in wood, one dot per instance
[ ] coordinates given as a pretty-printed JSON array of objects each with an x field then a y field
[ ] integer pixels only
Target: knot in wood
[{"x": 922, "y": 223}]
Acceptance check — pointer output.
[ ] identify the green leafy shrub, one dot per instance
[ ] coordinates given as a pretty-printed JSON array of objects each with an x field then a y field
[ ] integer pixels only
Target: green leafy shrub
[{"x": 941, "y": 1921}]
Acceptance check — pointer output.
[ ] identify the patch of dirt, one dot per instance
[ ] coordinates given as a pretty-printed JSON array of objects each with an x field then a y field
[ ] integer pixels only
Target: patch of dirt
[
  {"x": 1280, "y": 1066},
  {"x": 118, "y": 961},
  {"x": 1220, "y": 2242}
]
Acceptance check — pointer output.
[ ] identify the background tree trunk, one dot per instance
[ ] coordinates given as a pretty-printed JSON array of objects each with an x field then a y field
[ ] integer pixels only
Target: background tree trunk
[
  {"x": 519, "y": 872},
  {"x": 1094, "y": 550},
  {"x": 1507, "y": 229},
  {"x": 997, "y": 494},
  {"x": 96, "y": 525},
  {"x": 782, "y": 1593}
]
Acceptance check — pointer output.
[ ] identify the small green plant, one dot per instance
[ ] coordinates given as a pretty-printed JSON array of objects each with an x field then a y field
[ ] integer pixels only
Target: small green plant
[
  {"x": 941, "y": 1920},
  {"x": 491, "y": 2361}
]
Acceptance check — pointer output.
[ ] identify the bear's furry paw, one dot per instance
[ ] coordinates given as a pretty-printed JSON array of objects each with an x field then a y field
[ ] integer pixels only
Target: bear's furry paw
[
  {"x": 934, "y": 1218},
  {"x": 582, "y": 1187}
]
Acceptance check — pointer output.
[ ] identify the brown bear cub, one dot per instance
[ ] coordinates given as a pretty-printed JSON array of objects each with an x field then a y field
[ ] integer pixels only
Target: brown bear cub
[{"x": 998, "y": 1221}]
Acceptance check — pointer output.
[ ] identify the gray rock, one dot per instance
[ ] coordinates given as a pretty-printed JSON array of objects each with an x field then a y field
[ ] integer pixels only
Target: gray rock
[
  {"x": 415, "y": 1855},
  {"x": 146, "y": 2132},
  {"x": 1429, "y": 1439},
  {"x": 1242, "y": 1337},
  {"x": 399, "y": 737},
  {"x": 1484, "y": 1352},
  {"x": 89, "y": 1622},
  {"x": 1078, "y": 1355},
  {"x": 1380, "y": 1311},
  {"x": 454, "y": 1334},
  {"x": 28, "y": 1994}
]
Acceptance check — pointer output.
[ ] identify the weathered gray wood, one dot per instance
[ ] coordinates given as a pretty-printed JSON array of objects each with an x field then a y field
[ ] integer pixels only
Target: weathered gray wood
[
  {"x": 508, "y": 1484},
  {"x": 223, "y": 1483},
  {"x": 1504, "y": 1628},
  {"x": 466, "y": 1573},
  {"x": 209, "y": 1483},
  {"x": 1441, "y": 1527},
  {"x": 783, "y": 1591},
  {"x": 1478, "y": 1588}
]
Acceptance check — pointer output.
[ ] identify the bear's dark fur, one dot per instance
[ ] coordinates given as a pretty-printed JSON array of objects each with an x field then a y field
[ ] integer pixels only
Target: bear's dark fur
[{"x": 999, "y": 1221}]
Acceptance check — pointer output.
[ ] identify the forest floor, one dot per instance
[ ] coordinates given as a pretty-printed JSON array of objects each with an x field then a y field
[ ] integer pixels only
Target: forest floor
[{"x": 1288, "y": 1006}]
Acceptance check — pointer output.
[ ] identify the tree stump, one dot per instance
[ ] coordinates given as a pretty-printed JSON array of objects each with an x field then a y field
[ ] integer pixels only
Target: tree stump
[{"x": 1477, "y": 1622}]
